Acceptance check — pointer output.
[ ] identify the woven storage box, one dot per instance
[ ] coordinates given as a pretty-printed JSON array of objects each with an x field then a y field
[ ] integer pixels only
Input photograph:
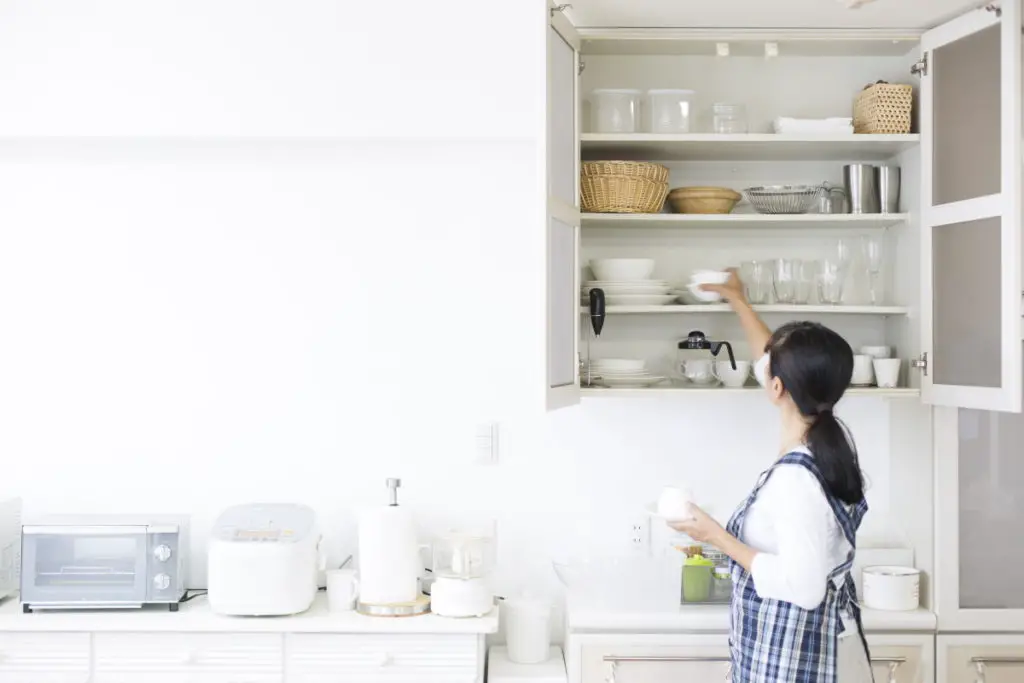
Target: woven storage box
[
  {"x": 883, "y": 108},
  {"x": 621, "y": 194},
  {"x": 638, "y": 169}
]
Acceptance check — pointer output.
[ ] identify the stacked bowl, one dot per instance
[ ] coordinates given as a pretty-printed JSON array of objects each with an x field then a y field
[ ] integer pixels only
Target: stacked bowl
[
  {"x": 619, "y": 372},
  {"x": 627, "y": 282}
]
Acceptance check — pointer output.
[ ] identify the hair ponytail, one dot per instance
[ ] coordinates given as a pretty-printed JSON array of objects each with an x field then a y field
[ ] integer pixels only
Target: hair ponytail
[{"x": 814, "y": 365}]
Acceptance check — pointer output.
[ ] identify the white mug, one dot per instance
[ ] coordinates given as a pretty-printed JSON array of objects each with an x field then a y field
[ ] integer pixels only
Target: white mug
[
  {"x": 698, "y": 370},
  {"x": 863, "y": 374},
  {"x": 342, "y": 589},
  {"x": 887, "y": 372},
  {"x": 734, "y": 379}
]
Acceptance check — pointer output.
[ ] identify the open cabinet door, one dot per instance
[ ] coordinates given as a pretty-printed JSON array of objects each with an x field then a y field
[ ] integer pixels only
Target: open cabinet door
[
  {"x": 563, "y": 213},
  {"x": 971, "y": 210}
]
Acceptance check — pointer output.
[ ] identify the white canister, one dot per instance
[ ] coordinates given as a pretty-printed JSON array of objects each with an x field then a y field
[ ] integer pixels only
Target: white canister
[
  {"x": 615, "y": 110},
  {"x": 893, "y": 589},
  {"x": 527, "y": 629}
]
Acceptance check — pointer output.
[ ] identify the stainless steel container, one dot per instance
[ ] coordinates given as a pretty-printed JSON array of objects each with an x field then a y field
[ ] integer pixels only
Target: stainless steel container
[
  {"x": 887, "y": 179},
  {"x": 859, "y": 180}
]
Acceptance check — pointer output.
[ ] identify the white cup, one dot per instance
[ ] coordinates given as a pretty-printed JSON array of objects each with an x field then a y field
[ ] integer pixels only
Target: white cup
[
  {"x": 876, "y": 351},
  {"x": 698, "y": 370},
  {"x": 887, "y": 372},
  {"x": 734, "y": 379},
  {"x": 863, "y": 374},
  {"x": 342, "y": 589}
]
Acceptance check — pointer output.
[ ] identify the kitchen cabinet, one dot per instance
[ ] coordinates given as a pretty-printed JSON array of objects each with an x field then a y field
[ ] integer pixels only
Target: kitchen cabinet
[
  {"x": 651, "y": 658},
  {"x": 951, "y": 280},
  {"x": 980, "y": 659},
  {"x": 327, "y": 658},
  {"x": 199, "y": 657},
  {"x": 44, "y": 658}
]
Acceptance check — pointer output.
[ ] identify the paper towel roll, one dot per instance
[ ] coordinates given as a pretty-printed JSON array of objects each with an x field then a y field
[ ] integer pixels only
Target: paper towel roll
[{"x": 389, "y": 563}]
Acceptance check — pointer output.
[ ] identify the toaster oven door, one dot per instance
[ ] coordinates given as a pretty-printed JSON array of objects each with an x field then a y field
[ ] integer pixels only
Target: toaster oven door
[{"x": 87, "y": 565}]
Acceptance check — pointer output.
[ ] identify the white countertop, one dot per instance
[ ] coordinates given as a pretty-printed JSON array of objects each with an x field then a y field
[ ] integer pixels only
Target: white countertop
[
  {"x": 195, "y": 616},
  {"x": 666, "y": 617}
]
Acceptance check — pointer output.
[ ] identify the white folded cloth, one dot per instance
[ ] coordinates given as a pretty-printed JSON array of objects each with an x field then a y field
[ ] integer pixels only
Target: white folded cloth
[{"x": 830, "y": 125}]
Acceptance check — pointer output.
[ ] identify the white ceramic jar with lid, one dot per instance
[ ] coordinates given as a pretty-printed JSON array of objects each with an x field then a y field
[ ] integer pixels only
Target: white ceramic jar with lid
[
  {"x": 669, "y": 110},
  {"x": 615, "y": 110},
  {"x": 527, "y": 622}
]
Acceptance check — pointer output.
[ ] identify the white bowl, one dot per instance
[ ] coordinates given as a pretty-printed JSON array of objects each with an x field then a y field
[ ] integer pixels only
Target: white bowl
[
  {"x": 674, "y": 503},
  {"x": 734, "y": 379},
  {"x": 709, "y": 277},
  {"x": 876, "y": 351},
  {"x": 700, "y": 295},
  {"x": 622, "y": 269}
]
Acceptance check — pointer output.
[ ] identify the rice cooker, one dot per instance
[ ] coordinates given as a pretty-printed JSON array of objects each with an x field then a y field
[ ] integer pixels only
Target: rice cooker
[{"x": 264, "y": 560}]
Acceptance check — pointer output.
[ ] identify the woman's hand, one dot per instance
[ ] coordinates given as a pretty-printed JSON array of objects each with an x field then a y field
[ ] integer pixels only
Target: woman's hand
[
  {"x": 731, "y": 291},
  {"x": 702, "y": 528}
]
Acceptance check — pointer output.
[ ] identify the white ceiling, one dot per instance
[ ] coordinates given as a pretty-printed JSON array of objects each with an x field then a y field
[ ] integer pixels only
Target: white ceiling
[{"x": 916, "y": 14}]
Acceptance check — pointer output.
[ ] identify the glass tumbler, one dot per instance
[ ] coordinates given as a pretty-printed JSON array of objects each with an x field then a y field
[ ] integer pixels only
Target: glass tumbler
[
  {"x": 785, "y": 277},
  {"x": 831, "y": 278},
  {"x": 757, "y": 278},
  {"x": 805, "y": 272}
]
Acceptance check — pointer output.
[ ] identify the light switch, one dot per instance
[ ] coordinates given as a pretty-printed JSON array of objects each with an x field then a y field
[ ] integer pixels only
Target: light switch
[{"x": 487, "y": 443}]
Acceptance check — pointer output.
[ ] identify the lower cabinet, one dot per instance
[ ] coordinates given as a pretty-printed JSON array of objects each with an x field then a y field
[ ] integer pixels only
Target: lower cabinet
[
  {"x": 326, "y": 658},
  {"x": 991, "y": 658},
  {"x": 45, "y": 657},
  {"x": 671, "y": 658},
  {"x": 191, "y": 657}
]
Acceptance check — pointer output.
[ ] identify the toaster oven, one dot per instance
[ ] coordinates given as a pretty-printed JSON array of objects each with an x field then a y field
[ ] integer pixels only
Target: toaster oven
[{"x": 88, "y": 562}]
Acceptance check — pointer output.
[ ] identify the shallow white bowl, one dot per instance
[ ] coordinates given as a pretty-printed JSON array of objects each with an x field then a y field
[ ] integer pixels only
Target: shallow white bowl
[
  {"x": 876, "y": 351},
  {"x": 700, "y": 295},
  {"x": 622, "y": 269}
]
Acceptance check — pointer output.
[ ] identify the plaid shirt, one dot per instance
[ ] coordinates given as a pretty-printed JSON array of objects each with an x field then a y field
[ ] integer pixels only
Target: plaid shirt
[{"x": 772, "y": 641}]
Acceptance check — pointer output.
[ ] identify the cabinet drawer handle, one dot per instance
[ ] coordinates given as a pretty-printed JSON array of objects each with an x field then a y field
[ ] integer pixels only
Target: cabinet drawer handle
[
  {"x": 981, "y": 662},
  {"x": 613, "y": 662},
  {"x": 894, "y": 663}
]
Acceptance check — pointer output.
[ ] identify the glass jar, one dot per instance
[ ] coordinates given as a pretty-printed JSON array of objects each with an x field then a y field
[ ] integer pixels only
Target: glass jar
[
  {"x": 463, "y": 556},
  {"x": 668, "y": 111},
  {"x": 729, "y": 119},
  {"x": 615, "y": 110}
]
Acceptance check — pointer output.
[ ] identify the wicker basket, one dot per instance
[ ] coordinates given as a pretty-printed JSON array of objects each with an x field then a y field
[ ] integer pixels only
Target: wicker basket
[
  {"x": 883, "y": 108},
  {"x": 637, "y": 169},
  {"x": 621, "y": 194}
]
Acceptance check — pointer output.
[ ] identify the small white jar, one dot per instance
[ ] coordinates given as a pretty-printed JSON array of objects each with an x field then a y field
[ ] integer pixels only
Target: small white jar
[
  {"x": 615, "y": 110},
  {"x": 527, "y": 629}
]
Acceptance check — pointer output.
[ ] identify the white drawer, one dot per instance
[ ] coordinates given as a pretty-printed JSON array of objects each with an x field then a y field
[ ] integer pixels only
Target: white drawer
[
  {"x": 315, "y": 658},
  {"x": 189, "y": 658},
  {"x": 44, "y": 657}
]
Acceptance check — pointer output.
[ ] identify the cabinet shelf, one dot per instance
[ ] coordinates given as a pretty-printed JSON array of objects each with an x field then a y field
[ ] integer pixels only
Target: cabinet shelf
[
  {"x": 745, "y": 147},
  {"x": 765, "y": 308},
  {"x": 676, "y": 390},
  {"x": 739, "y": 220}
]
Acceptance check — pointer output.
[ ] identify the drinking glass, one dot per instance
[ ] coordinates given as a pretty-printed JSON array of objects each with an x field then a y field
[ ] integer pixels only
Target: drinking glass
[
  {"x": 831, "y": 277},
  {"x": 873, "y": 256},
  {"x": 757, "y": 277},
  {"x": 785, "y": 277},
  {"x": 805, "y": 272}
]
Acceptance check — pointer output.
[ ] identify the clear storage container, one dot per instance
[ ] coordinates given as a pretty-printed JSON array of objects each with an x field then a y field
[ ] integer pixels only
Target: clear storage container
[
  {"x": 729, "y": 119},
  {"x": 668, "y": 111},
  {"x": 615, "y": 110}
]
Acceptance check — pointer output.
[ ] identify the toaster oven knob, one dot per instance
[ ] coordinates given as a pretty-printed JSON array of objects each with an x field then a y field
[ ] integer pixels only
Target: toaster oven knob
[
  {"x": 162, "y": 553},
  {"x": 161, "y": 582}
]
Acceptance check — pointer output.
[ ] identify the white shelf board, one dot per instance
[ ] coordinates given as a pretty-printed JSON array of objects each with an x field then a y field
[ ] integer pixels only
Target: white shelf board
[
  {"x": 677, "y": 390},
  {"x": 765, "y": 308},
  {"x": 741, "y": 220},
  {"x": 745, "y": 147}
]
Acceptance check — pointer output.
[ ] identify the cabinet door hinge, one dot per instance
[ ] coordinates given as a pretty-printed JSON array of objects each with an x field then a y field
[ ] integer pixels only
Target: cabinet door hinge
[
  {"x": 994, "y": 8},
  {"x": 559, "y": 8},
  {"x": 920, "y": 68},
  {"x": 921, "y": 363},
  {"x": 580, "y": 67}
]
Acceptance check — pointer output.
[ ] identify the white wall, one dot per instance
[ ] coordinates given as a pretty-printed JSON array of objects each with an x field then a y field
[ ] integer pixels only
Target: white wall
[{"x": 190, "y": 323}]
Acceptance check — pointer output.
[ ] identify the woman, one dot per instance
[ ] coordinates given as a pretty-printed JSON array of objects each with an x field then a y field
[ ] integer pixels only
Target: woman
[{"x": 794, "y": 613}]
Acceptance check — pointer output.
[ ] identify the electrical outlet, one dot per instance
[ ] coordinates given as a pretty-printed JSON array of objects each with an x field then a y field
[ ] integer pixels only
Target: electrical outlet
[{"x": 640, "y": 536}]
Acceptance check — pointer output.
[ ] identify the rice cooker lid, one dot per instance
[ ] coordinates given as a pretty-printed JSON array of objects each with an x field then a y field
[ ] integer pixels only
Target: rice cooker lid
[{"x": 265, "y": 523}]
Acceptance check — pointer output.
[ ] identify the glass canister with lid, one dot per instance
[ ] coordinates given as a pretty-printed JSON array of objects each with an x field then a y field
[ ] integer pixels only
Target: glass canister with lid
[{"x": 729, "y": 119}]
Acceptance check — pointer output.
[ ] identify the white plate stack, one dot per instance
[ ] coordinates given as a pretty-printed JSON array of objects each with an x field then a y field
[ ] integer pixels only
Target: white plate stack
[
  {"x": 627, "y": 282},
  {"x": 626, "y": 373}
]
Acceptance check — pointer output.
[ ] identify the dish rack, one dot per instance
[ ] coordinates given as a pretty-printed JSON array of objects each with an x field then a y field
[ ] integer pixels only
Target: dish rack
[{"x": 783, "y": 199}]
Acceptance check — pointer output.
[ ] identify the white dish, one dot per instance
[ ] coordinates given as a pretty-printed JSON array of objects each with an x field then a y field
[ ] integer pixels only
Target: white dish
[
  {"x": 700, "y": 295},
  {"x": 618, "y": 363},
  {"x": 627, "y": 289},
  {"x": 674, "y": 502},
  {"x": 880, "y": 352},
  {"x": 630, "y": 382},
  {"x": 640, "y": 299},
  {"x": 622, "y": 269},
  {"x": 606, "y": 283}
]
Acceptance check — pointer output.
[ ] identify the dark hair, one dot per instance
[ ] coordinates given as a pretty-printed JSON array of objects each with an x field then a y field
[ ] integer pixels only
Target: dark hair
[{"x": 814, "y": 365}]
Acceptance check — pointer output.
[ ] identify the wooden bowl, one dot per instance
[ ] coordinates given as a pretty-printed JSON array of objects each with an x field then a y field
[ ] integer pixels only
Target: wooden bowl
[{"x": 704, "y": 200}]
